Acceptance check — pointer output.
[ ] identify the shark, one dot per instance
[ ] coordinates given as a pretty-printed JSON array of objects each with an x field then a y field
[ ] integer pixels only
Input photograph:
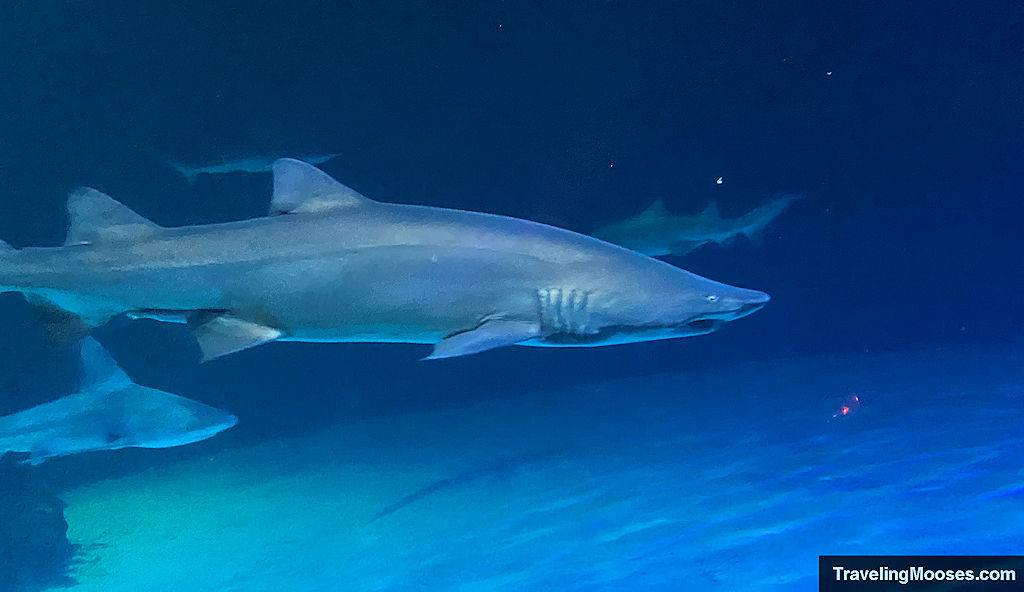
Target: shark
[
  {"x": 251, "y": 164},
  {"x": 108, "y": 412},
  {"x": 328, "y": 264},
  {"x": 657, "y": 233}
]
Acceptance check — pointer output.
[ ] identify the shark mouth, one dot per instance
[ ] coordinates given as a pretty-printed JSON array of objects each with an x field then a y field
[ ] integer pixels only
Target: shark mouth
[
  {"x": 709, "y": 323},
  {"x": 703, "y": 325}
]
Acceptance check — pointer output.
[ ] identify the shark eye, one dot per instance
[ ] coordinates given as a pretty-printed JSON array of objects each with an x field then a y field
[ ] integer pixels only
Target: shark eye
[{"x": 712, "y": 297}]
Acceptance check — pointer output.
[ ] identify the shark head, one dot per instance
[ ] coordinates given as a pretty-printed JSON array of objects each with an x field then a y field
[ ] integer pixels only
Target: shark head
[{"x": 644, "y": 300}]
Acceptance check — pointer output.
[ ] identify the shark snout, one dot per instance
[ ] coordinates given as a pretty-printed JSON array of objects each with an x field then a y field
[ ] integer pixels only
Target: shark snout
[{"x": 748, "y": 302}]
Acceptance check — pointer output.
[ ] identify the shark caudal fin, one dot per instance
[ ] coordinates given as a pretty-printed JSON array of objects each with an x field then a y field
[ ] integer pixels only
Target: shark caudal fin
[{"x": 757, "y": 220}]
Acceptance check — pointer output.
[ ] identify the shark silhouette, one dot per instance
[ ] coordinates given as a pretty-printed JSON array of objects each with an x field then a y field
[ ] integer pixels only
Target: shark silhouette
[
  {"x": 330, "y": 265},
  {"x": 657, "y": 233},
  {"x": 108, "y": 412}
]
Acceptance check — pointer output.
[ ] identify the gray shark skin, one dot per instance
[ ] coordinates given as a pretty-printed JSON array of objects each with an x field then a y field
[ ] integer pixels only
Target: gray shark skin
[
  {"x": 330, "y": 265},
  {"x": 251, "y": 164},
  {"x": 657, "y": 233},
  {"x": 109, "y": 412}
]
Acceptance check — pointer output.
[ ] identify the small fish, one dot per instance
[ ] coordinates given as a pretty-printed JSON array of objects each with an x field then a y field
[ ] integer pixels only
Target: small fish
[
  {"x": 657, "y": 233},
  {"x": 252, "y": 164},
  {"x": 108, "y": 412}
]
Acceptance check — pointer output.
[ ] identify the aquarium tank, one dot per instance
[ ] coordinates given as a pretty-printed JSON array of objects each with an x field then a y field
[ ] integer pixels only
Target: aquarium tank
[{"x": 511, "y": 296}]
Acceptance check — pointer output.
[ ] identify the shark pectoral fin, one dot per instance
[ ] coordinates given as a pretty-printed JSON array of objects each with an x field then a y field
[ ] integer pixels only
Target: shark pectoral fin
[
  {"x": 488, "y": 335},
  {"x": 95, "y": 217},
  {"x": 680, "y": 248},
  {"x": 224, "y": 334}
]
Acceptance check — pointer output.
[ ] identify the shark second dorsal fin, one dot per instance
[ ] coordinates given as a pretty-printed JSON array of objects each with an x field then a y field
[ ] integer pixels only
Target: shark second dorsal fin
[
  {"x": 95, "y": 217},
  {"x": 300, "y": 187},
  {"x": 99, "y": 371},
  {"x": 711, "y": 211}
]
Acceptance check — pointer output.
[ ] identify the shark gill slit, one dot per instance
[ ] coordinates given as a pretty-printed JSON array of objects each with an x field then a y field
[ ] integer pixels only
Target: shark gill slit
[{"x": 563, "y": 311}]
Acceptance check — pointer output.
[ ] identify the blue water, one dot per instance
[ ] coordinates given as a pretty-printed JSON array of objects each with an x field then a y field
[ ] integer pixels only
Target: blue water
[{"x": 667, "y": 465}]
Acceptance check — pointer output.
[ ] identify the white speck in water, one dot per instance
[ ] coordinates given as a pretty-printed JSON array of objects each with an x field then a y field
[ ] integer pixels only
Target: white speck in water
[{"x": 719, "y": 181}]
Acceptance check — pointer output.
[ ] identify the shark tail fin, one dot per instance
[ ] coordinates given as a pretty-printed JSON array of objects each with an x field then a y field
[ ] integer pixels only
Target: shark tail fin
[
  {"x": 757, "y": 220},
  {"x": 99, "y": 370}
]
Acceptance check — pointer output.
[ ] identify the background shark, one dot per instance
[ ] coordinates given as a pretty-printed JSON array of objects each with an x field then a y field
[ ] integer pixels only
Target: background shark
[
  {"x": 657, "y": 233},
  {"x": 331, "y": 265},
  {"x": 252, "y": 164},
  {"x": 109, "y": 412}
]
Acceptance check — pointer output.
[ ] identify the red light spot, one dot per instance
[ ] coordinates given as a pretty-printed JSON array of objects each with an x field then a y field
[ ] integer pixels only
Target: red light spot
[{"x": 846, "y": 406}]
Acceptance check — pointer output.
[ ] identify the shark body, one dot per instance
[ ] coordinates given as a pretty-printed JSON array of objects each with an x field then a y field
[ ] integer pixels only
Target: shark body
[
  {"x": 330, "y": 265},
  {"x": 657, "y": 233},
  {"x": 251, "y": 164},
  {"x": 108, "y": 412}
]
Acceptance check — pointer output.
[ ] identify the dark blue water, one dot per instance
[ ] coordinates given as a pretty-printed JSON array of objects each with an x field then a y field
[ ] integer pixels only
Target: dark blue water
[{"x": 902, "y": 123}]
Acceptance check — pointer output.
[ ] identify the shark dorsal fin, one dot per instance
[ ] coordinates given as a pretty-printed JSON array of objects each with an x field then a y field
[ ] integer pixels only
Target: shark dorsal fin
[
  {"x": 655, "y": 210},
  {"x": 95, "y": 217},
  {"x": 99, "y": 371},
  {"x": 711, "y": 211},
  {"x": 300, "y": 187},
  {"x": 5, "y": 247}
]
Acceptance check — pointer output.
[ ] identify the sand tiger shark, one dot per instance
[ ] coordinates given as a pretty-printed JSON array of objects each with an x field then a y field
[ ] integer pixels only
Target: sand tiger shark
[
  {"x": 251, "y": 164},
  {"x": 108, "y": 412},
  {"x": 657, "y": 233},
  {"x": 330, "y": 265}
]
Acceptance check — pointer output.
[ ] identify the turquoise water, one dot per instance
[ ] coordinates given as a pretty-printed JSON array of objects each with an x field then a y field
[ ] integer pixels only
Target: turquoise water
[{"x": 714, "y": 480}]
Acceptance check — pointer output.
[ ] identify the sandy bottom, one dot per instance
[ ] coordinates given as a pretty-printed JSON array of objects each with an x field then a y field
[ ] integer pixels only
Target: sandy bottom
[{"x": 727, "y": 480}]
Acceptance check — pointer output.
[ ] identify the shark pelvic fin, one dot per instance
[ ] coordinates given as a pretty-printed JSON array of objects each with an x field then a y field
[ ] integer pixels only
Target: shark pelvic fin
[
  {"x": 221, "y": 335},
  {"x": 95, "y": 217},
  {"x": 488, "y": 335},
  {"x": 61, "y": 326},
  {"x": 300, "y": 187}
]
